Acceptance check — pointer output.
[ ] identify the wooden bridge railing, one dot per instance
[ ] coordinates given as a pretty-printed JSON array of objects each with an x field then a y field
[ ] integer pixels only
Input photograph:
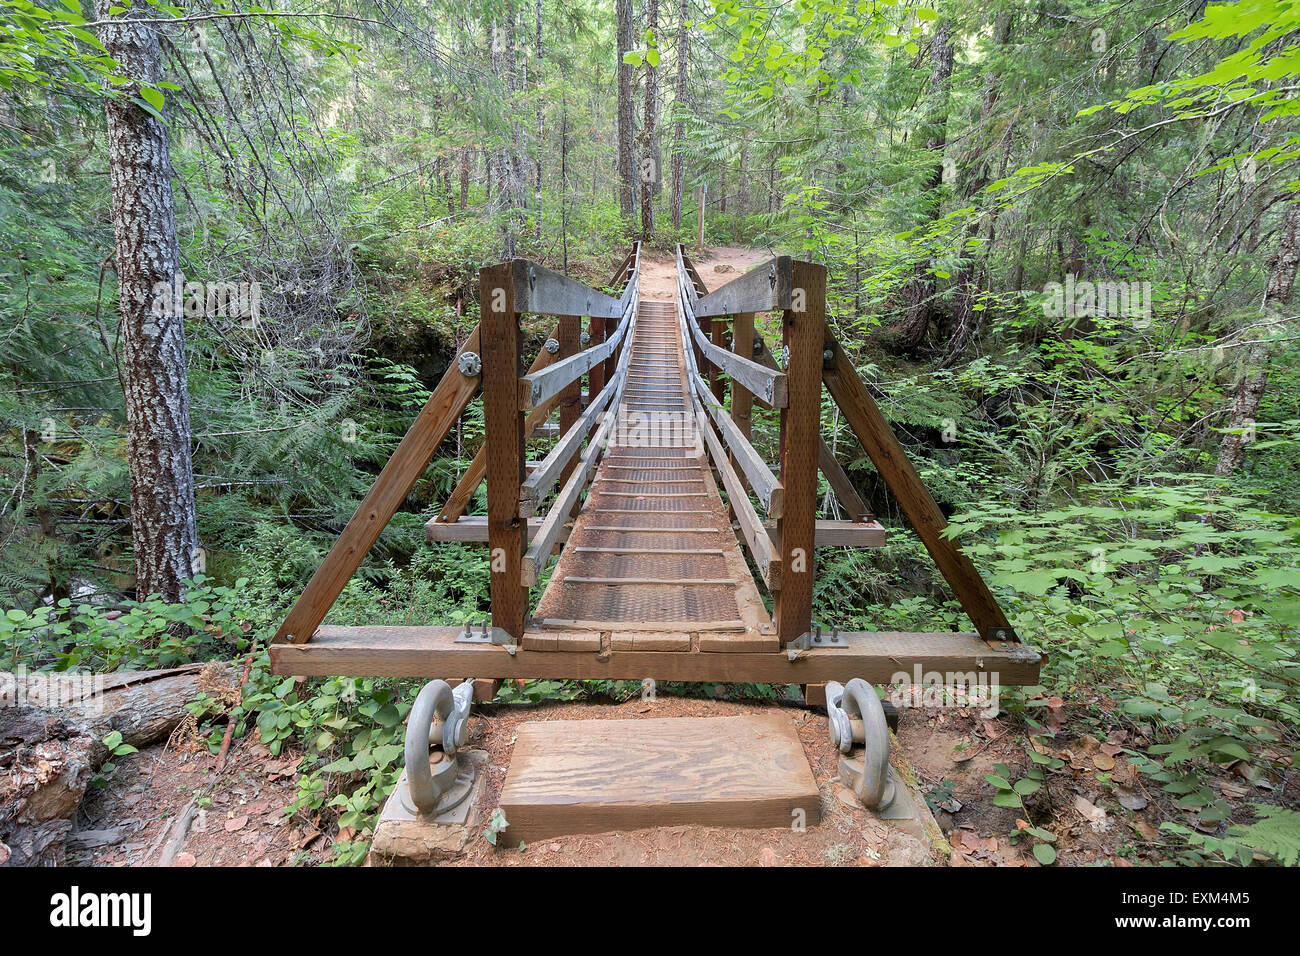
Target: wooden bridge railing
[
  {"x": 507, "y": 395},
  {"x": 786, "y": 559},
  {"x": 491, "y": 357}
]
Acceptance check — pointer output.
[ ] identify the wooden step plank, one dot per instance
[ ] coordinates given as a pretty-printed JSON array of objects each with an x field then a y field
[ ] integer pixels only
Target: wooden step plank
[{"x": 594, "y": 776}]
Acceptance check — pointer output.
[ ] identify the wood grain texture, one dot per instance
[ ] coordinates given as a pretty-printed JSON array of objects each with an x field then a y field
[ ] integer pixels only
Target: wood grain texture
[
  {"x": 742, "y": 399},
  {"x": 473, "y": 529},
  {"x": 411, "y": 651},
  {"x": 568, "y": 331},
  {"x": 504, "y": 426},
  {"x": 761, "y": 289},
  {"x": 538, "y": 289},
  {"x": 802, "y": 332},
  {"x": 392, "y": 486},
  {"x": 592, "y": 776},
  {"x": 877, "y": 439}
]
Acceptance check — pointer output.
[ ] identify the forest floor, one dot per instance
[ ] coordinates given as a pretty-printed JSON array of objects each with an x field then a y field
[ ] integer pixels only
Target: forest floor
[{"x": 244, "y": 823}]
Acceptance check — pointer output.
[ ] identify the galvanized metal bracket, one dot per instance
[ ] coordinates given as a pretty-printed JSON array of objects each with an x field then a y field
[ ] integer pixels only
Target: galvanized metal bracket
[
  {"x": 486, "y": 634},
  {"x": 815, "y": 639}
]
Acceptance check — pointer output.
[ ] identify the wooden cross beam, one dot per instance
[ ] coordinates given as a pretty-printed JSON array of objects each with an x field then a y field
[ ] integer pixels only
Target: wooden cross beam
[
  {"x": 877, "y": 439},
  {"x": 392, "y": 486}
]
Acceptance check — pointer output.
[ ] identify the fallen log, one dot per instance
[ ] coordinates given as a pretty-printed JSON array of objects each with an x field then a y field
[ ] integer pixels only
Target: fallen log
[{"x": 51, "y": 744}]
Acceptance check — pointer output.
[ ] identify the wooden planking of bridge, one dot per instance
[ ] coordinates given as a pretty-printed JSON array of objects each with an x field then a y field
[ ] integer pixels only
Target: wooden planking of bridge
[
  {"x": 652, "y": 548},
  {"x": 652, "y": 577}
]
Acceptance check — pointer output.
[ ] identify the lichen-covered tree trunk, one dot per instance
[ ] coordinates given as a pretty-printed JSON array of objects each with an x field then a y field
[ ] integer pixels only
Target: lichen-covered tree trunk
[
  {"x": 679, "y": 101},
  {"x": 649, "y": 167},
  {"x": 626, "y": 122},
  {"x": 153, "y": 328},
  {"x": 1249, "y": 392}
]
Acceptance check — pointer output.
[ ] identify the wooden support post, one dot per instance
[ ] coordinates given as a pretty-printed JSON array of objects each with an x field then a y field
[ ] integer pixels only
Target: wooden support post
[
  {"x": 611, "y": 363},
  {"x": 742, "y": 400},
  {"x": 802, "y": 334},
  {"x": 716, "y": 382},
  {"x": 878, "y": 441},
  {"x": 703, "y": 364},
  {"x": 504, "y": 424},
  {"x": 567, "y": 333},
  {"x": 392, "y": 486},
  {"x": 596, "y": 377}
]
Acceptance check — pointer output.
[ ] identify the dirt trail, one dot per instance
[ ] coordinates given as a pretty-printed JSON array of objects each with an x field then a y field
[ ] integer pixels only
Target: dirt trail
[{"x": 718, "y": 265}]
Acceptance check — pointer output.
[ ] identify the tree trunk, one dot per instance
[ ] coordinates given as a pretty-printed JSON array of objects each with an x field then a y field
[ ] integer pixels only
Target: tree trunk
[
  {"x": 679, "y": 103},
  {"x": 921, "y": 291},
  {"x": 464, "y": 178},
  {"x": 649, "y": 160},
  {"x": 1254, "y": 376},
  {"x": 540, "y": 52},
  {"x": 626, "y": 123},
  {"x": 974, "y": 277},
  {"x": 153, "y": 372}
]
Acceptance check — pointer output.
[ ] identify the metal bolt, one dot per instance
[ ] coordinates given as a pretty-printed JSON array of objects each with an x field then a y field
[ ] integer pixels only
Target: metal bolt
[
  {"x": 469, "y": 364},
  {"x": 552, "y": 346}
]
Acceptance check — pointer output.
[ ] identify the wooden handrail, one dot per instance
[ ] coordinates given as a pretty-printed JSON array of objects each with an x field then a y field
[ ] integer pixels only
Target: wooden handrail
[
  {"x": 539, "y": 551},
  {"x": 538, "y": 289},
  {"x": 460, "y": 496},
  {"x": 765, "y": 484},
  {"x": 768, "y": 384},
  {"x": 550, "y": 469},
  {"x": 761, "y": 289},
  {"x": 751, "y": 527},
  {"x": 537, "y": 387}
]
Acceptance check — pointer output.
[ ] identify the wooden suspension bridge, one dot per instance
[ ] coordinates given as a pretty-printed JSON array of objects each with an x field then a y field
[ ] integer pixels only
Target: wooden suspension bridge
[{"x": 652, "y": 578}]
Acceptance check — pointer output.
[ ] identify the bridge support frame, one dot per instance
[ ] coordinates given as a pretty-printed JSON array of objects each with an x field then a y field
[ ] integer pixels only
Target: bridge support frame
[
  {"x": 504, "y": 424},
  {"x": 802, "y": 331}
]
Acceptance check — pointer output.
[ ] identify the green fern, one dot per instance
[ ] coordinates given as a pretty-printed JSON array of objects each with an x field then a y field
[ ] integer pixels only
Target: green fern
[{"x": 1276, "y": 832}]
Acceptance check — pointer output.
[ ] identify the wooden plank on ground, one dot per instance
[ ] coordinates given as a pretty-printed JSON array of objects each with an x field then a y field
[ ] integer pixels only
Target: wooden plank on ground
[
  {"x": 414, "y": 651},
  {"x": 392, "y": 486},
  {"x": 593, "y": 776}
]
